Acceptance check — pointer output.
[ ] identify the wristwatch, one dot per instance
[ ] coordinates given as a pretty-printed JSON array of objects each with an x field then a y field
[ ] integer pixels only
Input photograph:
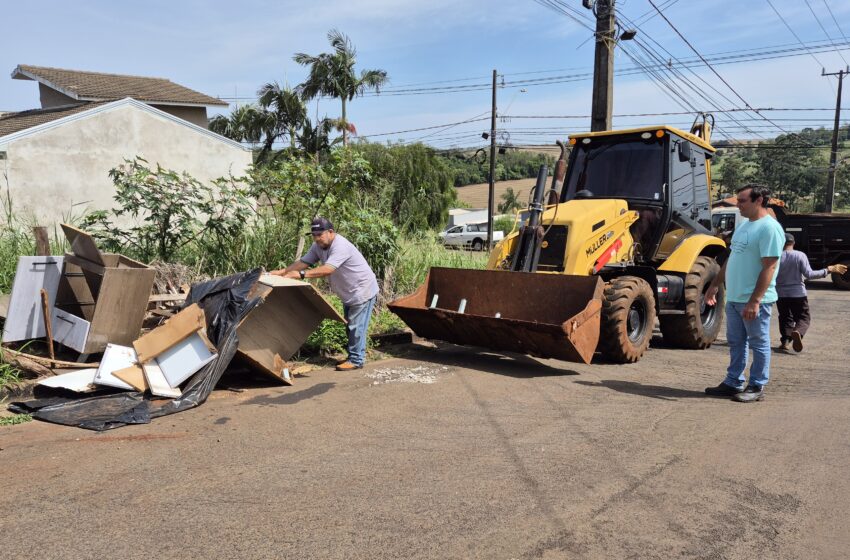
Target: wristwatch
[{"x": 302, "y": 274}]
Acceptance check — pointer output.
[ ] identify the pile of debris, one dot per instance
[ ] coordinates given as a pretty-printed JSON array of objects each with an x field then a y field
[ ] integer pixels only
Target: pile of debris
[{"x": 94, "y": 304}]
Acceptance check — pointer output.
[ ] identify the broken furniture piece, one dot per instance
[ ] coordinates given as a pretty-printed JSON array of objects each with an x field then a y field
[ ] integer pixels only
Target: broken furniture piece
[
  {"x": 25, "y": 318},
  {"x": 274, "y": 331},
  {"x": 172, "y": 352},
  {"x": 101, "y": 297},
  {"x": 80, "y": 381}
]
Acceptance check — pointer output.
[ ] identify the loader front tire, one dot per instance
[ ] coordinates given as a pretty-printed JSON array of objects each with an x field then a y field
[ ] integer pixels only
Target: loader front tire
[
  {"x": 700, "y": 324},
  {"x": 628, "y": 317}
]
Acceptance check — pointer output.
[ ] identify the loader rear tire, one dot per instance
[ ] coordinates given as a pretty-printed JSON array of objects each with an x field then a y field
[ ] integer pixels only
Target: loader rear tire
[
  {"x": 628, "y": 317},
  {"x": 700, "y": 324}
]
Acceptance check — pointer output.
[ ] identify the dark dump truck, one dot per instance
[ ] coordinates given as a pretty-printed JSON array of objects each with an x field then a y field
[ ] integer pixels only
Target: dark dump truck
[{"x": 825, "y": 238}]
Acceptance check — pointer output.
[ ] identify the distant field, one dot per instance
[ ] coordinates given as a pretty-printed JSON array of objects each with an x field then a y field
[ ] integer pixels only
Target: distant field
[{"x": 476, "y": 195}]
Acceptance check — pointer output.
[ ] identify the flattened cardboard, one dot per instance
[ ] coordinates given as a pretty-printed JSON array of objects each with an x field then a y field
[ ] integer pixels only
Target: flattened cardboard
[
  {"x": 133, "y": 376},
  {"x": 80, "y": 381},
  {"x": 157, "y": 382},
  {"x": 176, "y": 329},
  {"x": 115, "y": 357}
]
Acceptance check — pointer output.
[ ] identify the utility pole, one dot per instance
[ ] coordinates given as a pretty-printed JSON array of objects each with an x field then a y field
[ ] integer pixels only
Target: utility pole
[
  {"x": 833, "y": 155},
  {"x": 603, "y": 65},
  {"x": 492, "y": 189}
]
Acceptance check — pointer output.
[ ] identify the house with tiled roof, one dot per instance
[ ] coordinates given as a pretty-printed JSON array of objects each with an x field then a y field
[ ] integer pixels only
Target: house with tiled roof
[
  {"x": 55, "y": 160},
  {"x": 58, "y": 87}
]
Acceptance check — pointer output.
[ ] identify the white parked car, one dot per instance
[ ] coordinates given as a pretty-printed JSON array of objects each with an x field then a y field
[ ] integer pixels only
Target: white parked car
[{"x": 468, "y": 236}]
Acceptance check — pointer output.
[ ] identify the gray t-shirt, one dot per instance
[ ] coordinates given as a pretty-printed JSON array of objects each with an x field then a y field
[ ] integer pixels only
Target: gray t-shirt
[
  {"x": 353, "y": 281},
  {"x": 793, "y": 269}
]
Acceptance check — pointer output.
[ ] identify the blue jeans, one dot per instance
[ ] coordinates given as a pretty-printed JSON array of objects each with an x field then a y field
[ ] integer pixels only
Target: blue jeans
[
  {"x": 358, "y": 316},
  {"x": 743, "y": 335}
]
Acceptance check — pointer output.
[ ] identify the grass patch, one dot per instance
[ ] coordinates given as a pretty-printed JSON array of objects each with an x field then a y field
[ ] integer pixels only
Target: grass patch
[
  {"x": 14, "y": 419},
  {"x": 418, "y": 254},
  {"x": 8, "y": 374}
]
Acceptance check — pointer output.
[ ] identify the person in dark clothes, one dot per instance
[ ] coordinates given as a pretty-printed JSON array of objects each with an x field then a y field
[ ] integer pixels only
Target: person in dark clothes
[{"x": 793, "y": 302}]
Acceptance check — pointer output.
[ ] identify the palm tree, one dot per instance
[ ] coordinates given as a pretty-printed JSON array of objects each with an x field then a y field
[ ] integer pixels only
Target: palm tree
[
  {"x": 241, "y": 125},
  {"x": 332, "y": 74},
  {"x": 510, "y": 201},
  {"x": 316, "y": 140},
  {"x": 282, "y": 114}
]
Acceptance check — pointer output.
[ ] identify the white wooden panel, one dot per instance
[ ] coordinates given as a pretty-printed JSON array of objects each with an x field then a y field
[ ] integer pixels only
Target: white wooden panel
[
  {"x": 80, "y": 381},
  {"x": 70, "y": 330},
  {"x": 115, "y": 357},
  {"x": 25, "y": 319},
  {"x": 183, "y": 359},
  {"x": 157, "y": 382}
]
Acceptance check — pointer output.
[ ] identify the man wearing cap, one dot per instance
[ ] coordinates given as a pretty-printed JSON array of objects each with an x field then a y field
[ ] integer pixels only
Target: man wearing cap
[
  {"x": 350, "y": 278},
  {"x": 793, "y": 302}
]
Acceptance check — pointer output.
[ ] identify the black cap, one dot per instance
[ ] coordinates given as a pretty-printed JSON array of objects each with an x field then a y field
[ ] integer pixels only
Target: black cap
[
  {"x": 789, "y": 238},
  {"x": 319, "y": 224}
]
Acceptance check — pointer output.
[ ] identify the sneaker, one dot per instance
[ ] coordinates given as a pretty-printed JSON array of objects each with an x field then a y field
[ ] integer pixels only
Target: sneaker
[
  {"x": 783, "y": 346},
  {"x": 347, "y": 366},
  {"x": 752, "y": 393},
  {"x": 722, "y": 390},
  {"x": 796, "y": 341}
]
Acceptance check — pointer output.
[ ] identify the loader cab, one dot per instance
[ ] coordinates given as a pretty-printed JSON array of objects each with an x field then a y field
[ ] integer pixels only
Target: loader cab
[{"x": 661, "y": 172}]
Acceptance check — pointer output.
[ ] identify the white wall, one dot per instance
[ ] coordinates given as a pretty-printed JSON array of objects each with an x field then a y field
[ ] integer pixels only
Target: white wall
[{"x": 63, "y": 171}]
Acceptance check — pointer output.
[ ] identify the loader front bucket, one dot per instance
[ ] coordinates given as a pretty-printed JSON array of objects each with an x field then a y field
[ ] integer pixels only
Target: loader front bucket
[{"x": 545, "y": 315}]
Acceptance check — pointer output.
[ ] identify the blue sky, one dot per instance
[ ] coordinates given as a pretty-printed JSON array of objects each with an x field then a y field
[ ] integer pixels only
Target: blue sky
[{"x": 229, "y": 49}]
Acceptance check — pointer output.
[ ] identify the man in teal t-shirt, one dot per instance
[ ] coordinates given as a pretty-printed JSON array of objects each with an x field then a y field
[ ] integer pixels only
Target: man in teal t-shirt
[{"x": 750, "y": 274}]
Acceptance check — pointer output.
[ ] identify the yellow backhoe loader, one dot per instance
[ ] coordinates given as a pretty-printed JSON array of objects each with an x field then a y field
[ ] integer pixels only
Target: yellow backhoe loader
[{"x": 623, "y": 237}]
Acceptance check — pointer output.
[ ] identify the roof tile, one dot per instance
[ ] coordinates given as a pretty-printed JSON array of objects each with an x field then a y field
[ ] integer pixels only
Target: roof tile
[{"x": 98, "y": 86}]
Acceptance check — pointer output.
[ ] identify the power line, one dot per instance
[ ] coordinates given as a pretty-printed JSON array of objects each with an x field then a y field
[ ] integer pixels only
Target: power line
[
  {"x": 795, "y": 35},
  {"x": 710, "y": 67},
  {"x": 817, "y": 19},
  {"x": 674, "y": 71},
  {"x": 828, "y": 9},
  {"x": 474, "y": 119}
]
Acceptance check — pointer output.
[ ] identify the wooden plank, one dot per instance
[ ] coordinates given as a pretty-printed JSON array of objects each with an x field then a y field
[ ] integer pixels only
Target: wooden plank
[
  {"x": 120, "y": 308},
  {"x": 42, "y": 241},
  {"x": 84, "y": 264},
  {"x": 9, "y": 355},
  {"x": 45, "y": 311},
  {"x": 157, "y": 382},
  {"x": 70, "y": 330},
  {"x": 4, "y": 305},
  {"x": 24, "y": 319},
  {"x": 115, "y": 357},
  {"x": 179, "y": 327},
  {"x": 82, "y": 244},
  {"x": 133, "y": 376},
  {"x": 158, "y": 298}
]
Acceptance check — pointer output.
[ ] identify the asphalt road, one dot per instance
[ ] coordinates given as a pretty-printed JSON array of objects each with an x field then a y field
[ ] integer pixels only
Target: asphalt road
[{"x": 475, "y": 455}]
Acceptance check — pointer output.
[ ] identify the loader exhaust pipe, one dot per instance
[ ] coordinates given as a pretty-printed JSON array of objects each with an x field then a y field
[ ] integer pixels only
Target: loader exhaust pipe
[{"x": 532, "y": 233}]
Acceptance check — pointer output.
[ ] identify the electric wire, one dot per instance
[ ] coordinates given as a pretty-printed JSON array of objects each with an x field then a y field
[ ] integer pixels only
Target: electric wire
[
  {"x": 825, "y": 32},
  {"x": 710, "y": 67}
]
